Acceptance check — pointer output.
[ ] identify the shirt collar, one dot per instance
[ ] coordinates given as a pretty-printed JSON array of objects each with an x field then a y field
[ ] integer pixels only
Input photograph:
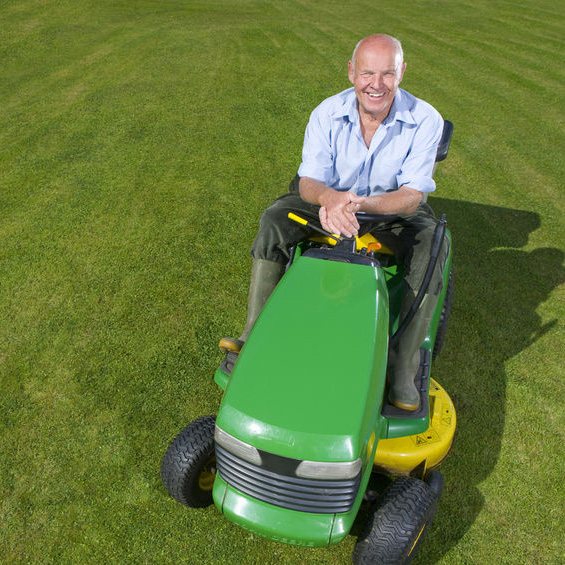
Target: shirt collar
[{"x": 399, "y": 111}]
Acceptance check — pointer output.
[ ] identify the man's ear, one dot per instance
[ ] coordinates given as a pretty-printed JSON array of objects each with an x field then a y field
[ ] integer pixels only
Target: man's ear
[
  {"x": 351, "y": 72},
  {"x": 402, "y": 69}
]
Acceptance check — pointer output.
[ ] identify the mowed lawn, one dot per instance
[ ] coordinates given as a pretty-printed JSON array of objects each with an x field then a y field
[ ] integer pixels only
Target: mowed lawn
[{"x": 139, "y": 143}]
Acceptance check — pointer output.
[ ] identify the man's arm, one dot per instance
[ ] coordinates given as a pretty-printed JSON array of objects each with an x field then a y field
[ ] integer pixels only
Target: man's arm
[
  {"x": 405, "y": 200},
  {"x": 337, "y": 212}
]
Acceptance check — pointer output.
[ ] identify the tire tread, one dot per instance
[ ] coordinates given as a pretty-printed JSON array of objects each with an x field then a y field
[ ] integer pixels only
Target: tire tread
[
  {"x": 407, "y": 507},
  {"x": 189, "y": 451}
]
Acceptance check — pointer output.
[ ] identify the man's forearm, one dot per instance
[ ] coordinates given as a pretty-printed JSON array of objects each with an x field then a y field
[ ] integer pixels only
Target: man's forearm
[
  {"x": 405, "y": 200},
  {"x": 312, "y": 190}
]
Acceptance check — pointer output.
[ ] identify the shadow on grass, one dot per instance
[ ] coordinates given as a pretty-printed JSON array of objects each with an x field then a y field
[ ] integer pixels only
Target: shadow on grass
[{"x": 498, "y": 288}]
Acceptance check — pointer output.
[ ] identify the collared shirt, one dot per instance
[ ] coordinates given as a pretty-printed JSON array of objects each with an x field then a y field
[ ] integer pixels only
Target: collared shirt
[{"x": 402, "y": 151}]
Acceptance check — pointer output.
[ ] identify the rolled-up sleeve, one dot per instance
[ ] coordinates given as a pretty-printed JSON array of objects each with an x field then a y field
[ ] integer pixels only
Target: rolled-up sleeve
[
  {"x": 418, "y": 166},
  {"x": 317, "y": 156}
]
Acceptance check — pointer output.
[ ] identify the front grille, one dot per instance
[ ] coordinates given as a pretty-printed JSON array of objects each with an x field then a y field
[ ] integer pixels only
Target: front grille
[{"x": 286, "y": 490}]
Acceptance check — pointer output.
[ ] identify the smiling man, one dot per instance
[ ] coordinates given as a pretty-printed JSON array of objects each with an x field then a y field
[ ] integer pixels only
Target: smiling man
[
  {"x": 375, "y": 75},
  {"x": 370, "y": 148}
]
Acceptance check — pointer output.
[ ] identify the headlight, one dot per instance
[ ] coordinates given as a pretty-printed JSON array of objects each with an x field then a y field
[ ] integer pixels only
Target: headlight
[
  {"x": 328, "y": 471},
  {"x": 237, "y": 447}
]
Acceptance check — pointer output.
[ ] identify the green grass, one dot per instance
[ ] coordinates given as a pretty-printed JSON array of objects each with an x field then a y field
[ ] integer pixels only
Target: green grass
[{"x": 139, "y": 142}]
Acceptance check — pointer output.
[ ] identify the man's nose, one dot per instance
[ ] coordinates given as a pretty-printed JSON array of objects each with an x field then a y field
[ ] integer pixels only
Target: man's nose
[{"x": 377, "y": 81}]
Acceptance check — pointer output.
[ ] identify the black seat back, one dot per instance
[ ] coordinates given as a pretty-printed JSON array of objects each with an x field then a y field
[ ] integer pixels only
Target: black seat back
[{"x": 445, "y": 140}]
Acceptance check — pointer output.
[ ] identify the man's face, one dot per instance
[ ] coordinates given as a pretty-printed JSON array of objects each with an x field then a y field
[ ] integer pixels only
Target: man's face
[{"x": 375, "y": 78}]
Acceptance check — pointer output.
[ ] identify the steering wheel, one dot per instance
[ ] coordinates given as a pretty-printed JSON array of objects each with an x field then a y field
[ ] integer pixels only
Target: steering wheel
[{"x": 365, "y": 217}]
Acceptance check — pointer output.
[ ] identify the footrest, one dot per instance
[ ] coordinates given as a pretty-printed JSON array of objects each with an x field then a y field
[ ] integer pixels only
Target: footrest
[
  {"x": 224, "y": 371},
  {"x": 229, "y": 363}
]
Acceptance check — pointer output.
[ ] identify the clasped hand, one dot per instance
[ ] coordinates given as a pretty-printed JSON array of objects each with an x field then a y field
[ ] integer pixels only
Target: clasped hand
[{"x": 337, "y": 212}]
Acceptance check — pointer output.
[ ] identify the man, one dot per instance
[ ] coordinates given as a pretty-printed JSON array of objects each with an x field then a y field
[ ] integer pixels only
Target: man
[{"x": 370, "y": 148}]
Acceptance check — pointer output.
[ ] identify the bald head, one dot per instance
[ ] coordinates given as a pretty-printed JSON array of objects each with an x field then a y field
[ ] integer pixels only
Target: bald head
[{"x": 380, "y": 41}]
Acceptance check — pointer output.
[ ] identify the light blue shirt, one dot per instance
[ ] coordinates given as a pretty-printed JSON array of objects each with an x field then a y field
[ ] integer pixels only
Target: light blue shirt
[{"x": 402, "y": 151}]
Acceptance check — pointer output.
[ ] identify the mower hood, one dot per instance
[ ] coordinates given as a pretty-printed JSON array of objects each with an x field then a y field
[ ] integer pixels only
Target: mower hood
[{"x": 308, "y": 384}]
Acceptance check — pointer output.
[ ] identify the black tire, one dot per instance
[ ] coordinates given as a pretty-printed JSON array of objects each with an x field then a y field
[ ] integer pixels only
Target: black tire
[
  {"x": 188, "y": 467},
  {"x": 444, "y": 318},
  {"x": 397, "y": 527}
]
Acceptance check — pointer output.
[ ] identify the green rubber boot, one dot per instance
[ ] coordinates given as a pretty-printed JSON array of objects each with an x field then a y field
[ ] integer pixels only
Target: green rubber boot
[
  {"x": 405, "y": 360},
  {"x": 265, "y": 276}
]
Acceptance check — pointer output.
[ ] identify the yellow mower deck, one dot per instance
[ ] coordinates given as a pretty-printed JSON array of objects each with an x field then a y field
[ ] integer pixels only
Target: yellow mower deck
[{"x": 421, "y": 451}]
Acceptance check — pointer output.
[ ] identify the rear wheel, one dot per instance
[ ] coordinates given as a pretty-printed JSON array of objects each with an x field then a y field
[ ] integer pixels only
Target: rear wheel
[
  {"x": 397, "y": 527},
  {"x": 188, "y": 468}
]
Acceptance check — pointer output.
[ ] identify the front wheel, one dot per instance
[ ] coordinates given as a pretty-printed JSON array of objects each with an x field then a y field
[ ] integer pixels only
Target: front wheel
[
  {"x": 397, "y": 527},
  {"x": 188, "y": 467}
]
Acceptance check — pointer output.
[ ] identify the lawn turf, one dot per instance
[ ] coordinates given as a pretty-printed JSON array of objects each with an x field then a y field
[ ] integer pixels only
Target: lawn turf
[{"x": 139, "y": 142}]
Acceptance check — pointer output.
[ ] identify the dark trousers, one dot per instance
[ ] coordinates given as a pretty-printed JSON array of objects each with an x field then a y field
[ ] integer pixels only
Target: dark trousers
[{"x": 409, "y": 236}]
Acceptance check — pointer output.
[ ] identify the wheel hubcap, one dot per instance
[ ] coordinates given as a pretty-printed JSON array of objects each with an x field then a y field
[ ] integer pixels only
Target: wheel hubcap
[{"x": 207, "y": 475}]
